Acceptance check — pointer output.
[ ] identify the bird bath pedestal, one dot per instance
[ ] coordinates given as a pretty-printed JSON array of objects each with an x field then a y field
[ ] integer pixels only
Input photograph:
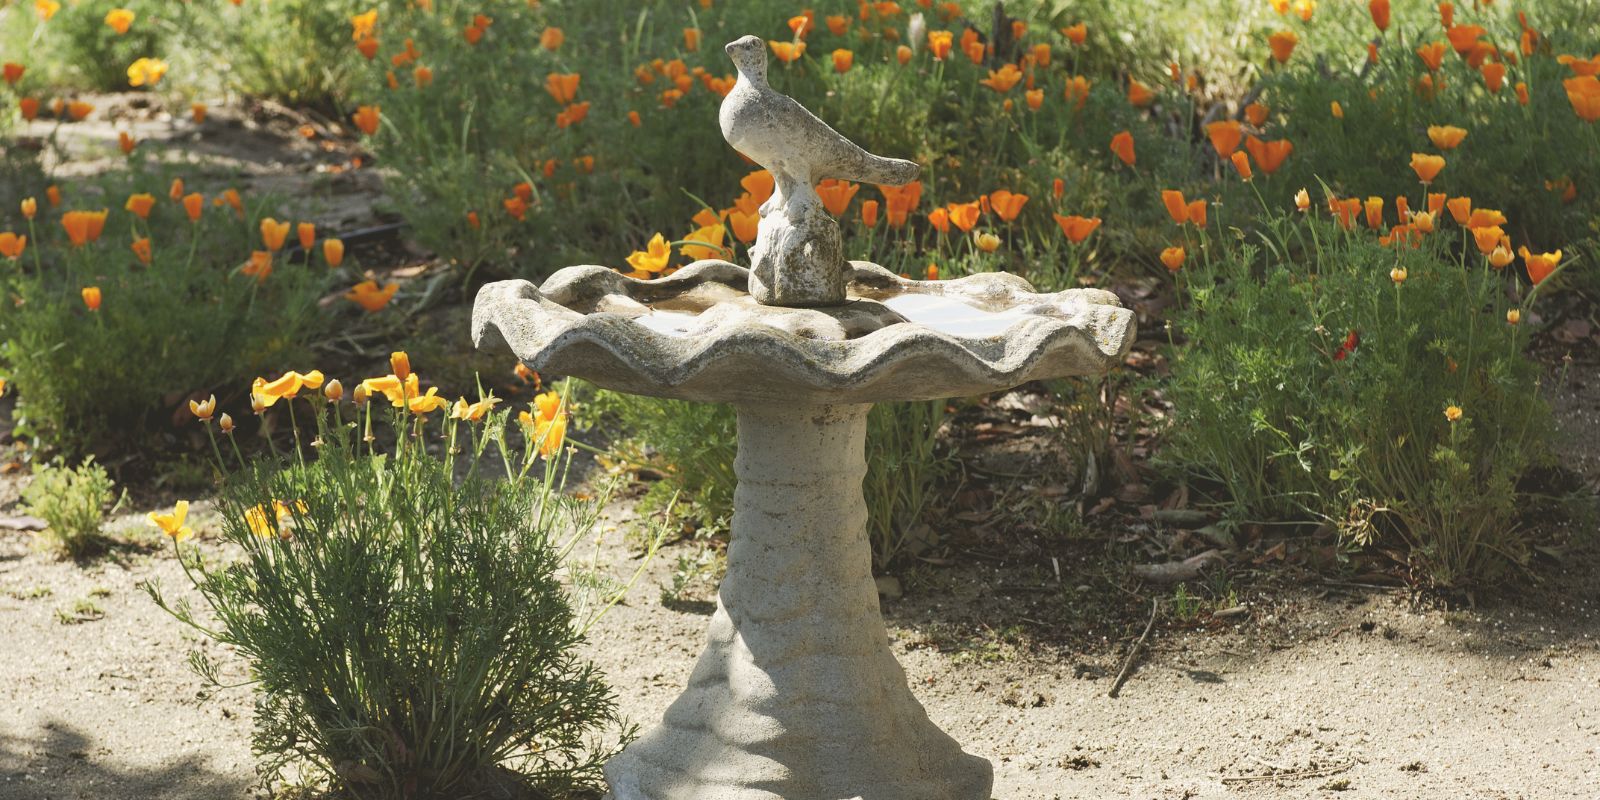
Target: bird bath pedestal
[{"x": 798, "y": 695}]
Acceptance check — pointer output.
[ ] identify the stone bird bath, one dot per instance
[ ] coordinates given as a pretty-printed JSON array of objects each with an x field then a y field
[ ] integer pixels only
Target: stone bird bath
[{"x": 797, "y": 695}]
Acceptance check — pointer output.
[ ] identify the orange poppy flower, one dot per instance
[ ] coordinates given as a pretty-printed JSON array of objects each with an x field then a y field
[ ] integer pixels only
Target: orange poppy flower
[
  {"x": 1379, "y": 9},
  {"x": 552, "y": 39},
  {"x": 788, "y": 52},
  {"x": 1426, "y": 166},
  {"x": 562, "y": 87},
  {"x": 84, "y": 227},
  {"x": 837, "y": 24},
  {"x": 1225, "y": 136},
  {"x": 1139, "y": 94},
  {"x": 53, "y": 194},
  {"x": 1283, "y": 44},
  {"x": 1374, "y": 212},
  {"x": 1460, "y": 208},
  {"x": 12, "y": 245},
  {"x": 744, "y": 224},
  {"x": 1464, "y": 38},
  {"x": 1173, "y": 258},
  {"x": 12, "y": 72},
  {"x": 1077, "y": 92},
  {"x": 1345, "y": 211},
  {"x": 139, "y": 205},
  {"x": 691, "y": 38},
  {"x": 1269, "y": 156},
  {"x": 1583, "y": 92},
  {"x": 836, "y": 195},
  {"x": 1539, "y": 265},
  {"x": 1241, "y": 162},
  {"x": 29, "y": 108},
  {"x": 939, "y": 218},
  {"x": 516, "y": 207},
  {"x": 1446, "y": 137},
  {"x": 363, "y": 25},
  {"x": 141, "y": 249},
  {"x": 1522, "y": 93},
  {"x": 77, "y": 110},
  {"x": 1003, "y": 79},
  {"x": 1487, "y": 238},
  {"x": 366, "y": 118},
  {"x": 1076, "y": 228},
  {"x": 307, "y": 234},
  {"x": 1007, "y": 205},
  {"x": 120, "y": 20},
  {"x": 1256, "y": 113},
  {"x": 30, "y": 207},
  {"x": 259, "y": 266},
  {"x": 197, "y": 112},
  {"x": 1197, "y": 213},
  {"x": 843, "y": 60},
  {"x": 1177, "y": 206},
  {"x": 965, "y": 215},
  {"x": 1122, "y": 145},
  {"x": 369, "y": 296},
  {"x": 274, "y": 233},
  {"x": 939, "y": 44},
  {"x": 91, "y": 297},
  {"x": 1500, "y": 257},
  {"x": 1494, "y": 75},
  {"x": 902, "y": 54},
  {"x": 333, "y": 252},
  {"x": 193, "y": 205},
  {"x": 869, "y": 213},
  {"x": 574, "y": 114},
  {"x": 1034, "y": 98},
  {"x": 1076, "y": 33},
  {"x": 1432, "y": 55},
  {"x": 1482, "y": 217},
  {"x": 1436, "y": 202}
]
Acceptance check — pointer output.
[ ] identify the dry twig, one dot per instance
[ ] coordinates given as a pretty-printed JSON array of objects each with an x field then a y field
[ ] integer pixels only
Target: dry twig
[{"x": 1138, "y": 647}]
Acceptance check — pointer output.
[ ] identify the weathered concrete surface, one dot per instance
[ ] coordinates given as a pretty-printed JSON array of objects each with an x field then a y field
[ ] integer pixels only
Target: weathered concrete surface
[
  {"x": 797, "y": 694},
  {"x": 584, "y": 321},
  {"x": 798, "y": 259}
]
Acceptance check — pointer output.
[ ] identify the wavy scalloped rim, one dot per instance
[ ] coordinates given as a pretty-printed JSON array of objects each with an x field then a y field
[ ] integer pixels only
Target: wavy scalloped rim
[{"x": 1077, "y": 332}]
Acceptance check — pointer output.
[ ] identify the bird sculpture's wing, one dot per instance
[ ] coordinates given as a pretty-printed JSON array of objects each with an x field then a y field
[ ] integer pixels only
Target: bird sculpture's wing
[{"x": 833, "y": 156}]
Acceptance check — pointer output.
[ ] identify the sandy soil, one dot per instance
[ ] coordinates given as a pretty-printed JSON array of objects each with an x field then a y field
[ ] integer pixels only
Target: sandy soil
[{"x": 1315, "y": 688}]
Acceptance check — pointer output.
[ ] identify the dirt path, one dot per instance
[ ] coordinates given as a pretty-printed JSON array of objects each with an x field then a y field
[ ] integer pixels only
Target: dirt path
[{"x": 1503, "y": 703}]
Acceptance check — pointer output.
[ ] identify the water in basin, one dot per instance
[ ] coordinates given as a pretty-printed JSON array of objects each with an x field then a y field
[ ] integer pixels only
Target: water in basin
[{"x": 854, "y": 319}]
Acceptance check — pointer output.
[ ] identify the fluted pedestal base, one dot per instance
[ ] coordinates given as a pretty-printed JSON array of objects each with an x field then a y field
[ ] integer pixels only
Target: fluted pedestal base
[{"x": 797, "y": 695}]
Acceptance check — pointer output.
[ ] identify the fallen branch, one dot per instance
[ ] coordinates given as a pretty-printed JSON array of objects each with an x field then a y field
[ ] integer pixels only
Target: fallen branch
[
  {"x": 1138, "y": 647},
  {"x": 1177, "y": 571}
]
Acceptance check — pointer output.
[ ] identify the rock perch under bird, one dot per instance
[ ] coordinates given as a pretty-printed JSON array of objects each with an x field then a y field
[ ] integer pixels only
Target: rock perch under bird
[{"x": 798, "y": 258}]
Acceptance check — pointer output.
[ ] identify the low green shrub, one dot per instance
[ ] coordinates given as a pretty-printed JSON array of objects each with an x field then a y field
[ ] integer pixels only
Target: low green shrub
[
  {"x": 407, "y": 630},
  {"x": 1323, "y": 375},
  {"x": 88, "y": 53},
  {"x": 73, "y": 502}
]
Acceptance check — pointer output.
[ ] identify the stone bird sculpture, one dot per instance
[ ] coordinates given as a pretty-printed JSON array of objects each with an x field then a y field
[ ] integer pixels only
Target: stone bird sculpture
[{"x": 798, "y": 259}]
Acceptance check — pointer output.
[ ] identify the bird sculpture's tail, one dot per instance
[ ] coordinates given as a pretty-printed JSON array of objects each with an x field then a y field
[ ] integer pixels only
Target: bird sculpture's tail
[{"x": 864, "y": 167}]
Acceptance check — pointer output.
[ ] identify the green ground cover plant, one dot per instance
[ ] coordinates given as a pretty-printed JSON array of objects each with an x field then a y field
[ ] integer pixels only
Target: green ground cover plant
[
  {"x": 73, "y": 502},
  {"x": 1324, "y": 375},
  {"x": 116, "y": 316}
]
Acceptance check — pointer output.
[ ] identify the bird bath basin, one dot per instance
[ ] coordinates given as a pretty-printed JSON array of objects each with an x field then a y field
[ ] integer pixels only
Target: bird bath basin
[{"x": 797, "y": 695}]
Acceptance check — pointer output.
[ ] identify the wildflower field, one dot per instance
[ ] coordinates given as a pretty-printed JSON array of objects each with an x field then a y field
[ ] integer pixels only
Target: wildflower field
[{"x": 249, "y": 455}]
